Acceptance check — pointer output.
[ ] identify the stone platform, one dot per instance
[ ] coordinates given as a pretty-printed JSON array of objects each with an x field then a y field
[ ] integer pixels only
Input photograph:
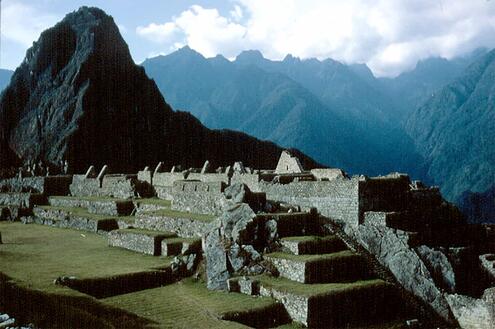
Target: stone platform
[
  {"x": 343, "y": 266},
  {"x": 71, "y": 218},
  {"x": 326, "y": 305},
  {"x": 98, "y": 206},
  {"x": 139, "y": 240}
]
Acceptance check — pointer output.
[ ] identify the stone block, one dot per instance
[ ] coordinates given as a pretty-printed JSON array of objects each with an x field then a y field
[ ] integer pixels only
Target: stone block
[
  {"x": 147, "y": 242},
  {"x": 310, "y": 245},
  {"x": 335, "y": 267}
]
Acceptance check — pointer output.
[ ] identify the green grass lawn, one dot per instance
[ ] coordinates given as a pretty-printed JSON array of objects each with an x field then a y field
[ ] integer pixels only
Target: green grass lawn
[
  {"x": 188, "y": 304},
  {"x": 34, "y": 255}
]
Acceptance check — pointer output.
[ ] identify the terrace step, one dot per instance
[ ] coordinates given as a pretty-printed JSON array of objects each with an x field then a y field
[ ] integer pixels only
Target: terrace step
[
  {"x": 180, "y": 246},
  {"x": 75, "y": 218},
  {"x": 310, "y": 245},
  {"x": 335, "y": 267},
  {"x": 293, "y": 224},
  {"x": 151, "y": 205},
  {"x": 329, "y": 305},
  {"x": 139, "y": 240},
  {"x": 184, "y": 224},
  {"x": 21, "y": 199},
  {"x": 95, "y": 205}
]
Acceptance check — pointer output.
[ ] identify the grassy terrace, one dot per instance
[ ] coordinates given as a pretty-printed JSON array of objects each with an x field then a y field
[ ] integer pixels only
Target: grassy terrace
[
  {"x": 312, "y": 258},
  {"x": 315, "y": 289},
  {"x": 155, "y": 201},
  {"x": 188, "y": 304},
  {"x": 148, "y": 232},
  {"x": 84, "y": 213},
  {"x": 34, "y": 255},
  {"x": 180, "y": 214}
]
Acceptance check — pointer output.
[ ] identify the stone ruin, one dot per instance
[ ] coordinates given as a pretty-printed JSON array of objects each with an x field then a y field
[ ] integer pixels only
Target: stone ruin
[{"x": 308, "y": 227}]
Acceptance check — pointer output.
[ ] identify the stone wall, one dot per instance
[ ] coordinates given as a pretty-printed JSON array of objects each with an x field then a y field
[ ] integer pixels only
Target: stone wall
[
  {"x": 182, "y": 226},
  {"x": 328, "y": 174},
  {"x": 120, "y": 186},
  {"x": 251, "y": 180},
  {"x": 210, "y": 177},
  {"x": 336, "y": 199},
  {"x": 50, "y": 185},
  {"x": 198, "y": 197},
  {"x": 167, "y": 178},
  {"x": 82, "y": 186}
]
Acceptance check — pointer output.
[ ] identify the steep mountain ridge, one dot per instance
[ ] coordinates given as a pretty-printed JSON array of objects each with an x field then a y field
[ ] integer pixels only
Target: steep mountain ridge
[
  {"x": 455, "y": 129},
  {"x": 79, "y": 96}
]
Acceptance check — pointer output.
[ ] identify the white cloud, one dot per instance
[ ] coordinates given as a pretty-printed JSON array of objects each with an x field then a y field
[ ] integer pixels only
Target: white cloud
[
  {"x": 22, "y": 23},
  {"x": 389, "y": 35}
]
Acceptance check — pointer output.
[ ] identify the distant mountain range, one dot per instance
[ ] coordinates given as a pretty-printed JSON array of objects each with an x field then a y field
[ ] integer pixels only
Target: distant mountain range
[
  {"x": 79, "y": 96},
  {"x": 322, "y": 108},
  {"x": 5, "y": 76}
]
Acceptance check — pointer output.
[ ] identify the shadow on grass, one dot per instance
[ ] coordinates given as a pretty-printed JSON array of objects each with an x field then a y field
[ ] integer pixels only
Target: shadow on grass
[{"x": 57, "y": 311}]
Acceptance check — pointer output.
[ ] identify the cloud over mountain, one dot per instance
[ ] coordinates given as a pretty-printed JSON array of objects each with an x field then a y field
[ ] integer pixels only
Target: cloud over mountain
[{"x": 388, "y": 35}]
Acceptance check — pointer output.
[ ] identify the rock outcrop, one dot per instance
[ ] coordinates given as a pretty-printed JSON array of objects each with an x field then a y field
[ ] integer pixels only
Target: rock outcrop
[{"x": 78, "y": 96}]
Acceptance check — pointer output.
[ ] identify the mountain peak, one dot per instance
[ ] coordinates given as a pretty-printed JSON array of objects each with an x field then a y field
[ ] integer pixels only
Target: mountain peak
[{"x": 250, "y": 57}]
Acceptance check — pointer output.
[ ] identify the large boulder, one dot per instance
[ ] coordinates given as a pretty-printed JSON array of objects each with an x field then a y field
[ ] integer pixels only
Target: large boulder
[
  {"x": 439, "y": 266},
  {"x": 228, "y": 246},
  {"x": 392, "y": 249}
]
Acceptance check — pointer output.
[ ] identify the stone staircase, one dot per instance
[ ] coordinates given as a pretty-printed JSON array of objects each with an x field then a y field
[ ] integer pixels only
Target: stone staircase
[{"x": 322, "y": 284}]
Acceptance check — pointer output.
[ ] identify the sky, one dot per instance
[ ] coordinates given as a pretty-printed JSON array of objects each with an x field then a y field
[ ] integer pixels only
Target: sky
[{"x": 390, "y": 36}]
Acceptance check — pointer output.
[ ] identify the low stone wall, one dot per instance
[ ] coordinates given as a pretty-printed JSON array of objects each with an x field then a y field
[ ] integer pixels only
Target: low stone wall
[
  {"x": 112, "y": 208},
  {"x": 183, "y": 227},
  {"x": 145, "y": 243},
  {"x": 50, "y": 185},
  {"x": 120, "y": 186},
  {"x": 336, "y": 199},
  {"x": 85, "y": 186},
  {"x": 296, "y": 306},
  {"x": 22, "y": 200},
  {"x": 167, "y": 178},
  {"x": 198, "y": 197},
  {"x": 210, "y": 177},
  {"x": 63, "y": 219},
  {"x": 164, "y": 192},
  {"x": 474, "y": 313}
]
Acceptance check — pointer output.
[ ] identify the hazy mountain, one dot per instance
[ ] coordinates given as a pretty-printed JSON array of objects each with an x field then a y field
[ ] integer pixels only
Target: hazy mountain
[
  {"x": 455, "y": 130},
  {"x": 322, "y": 108},
  {"x": 411, "y": 89},
  {"x": 5, "y": 76},
  {"x": 79, "y": 96}
]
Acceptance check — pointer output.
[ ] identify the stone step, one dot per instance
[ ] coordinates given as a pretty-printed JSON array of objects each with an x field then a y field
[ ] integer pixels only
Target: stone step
[
  {"x": 95, "y": 205},
  {"x": 184, "y": 224},
  {"x": 327, "y": 305},
  {"x": 180, "y": 246},
  {"x": 151, "y": 205},
  {"x": 310, "y": 245},
  {"x": 335, "y": 267},
  {"x": 75, "y": 218},
  {"x": 22, "y": 200},
  {"x": 293, "y": 224},
  {"x": 139, "y": 240}
]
